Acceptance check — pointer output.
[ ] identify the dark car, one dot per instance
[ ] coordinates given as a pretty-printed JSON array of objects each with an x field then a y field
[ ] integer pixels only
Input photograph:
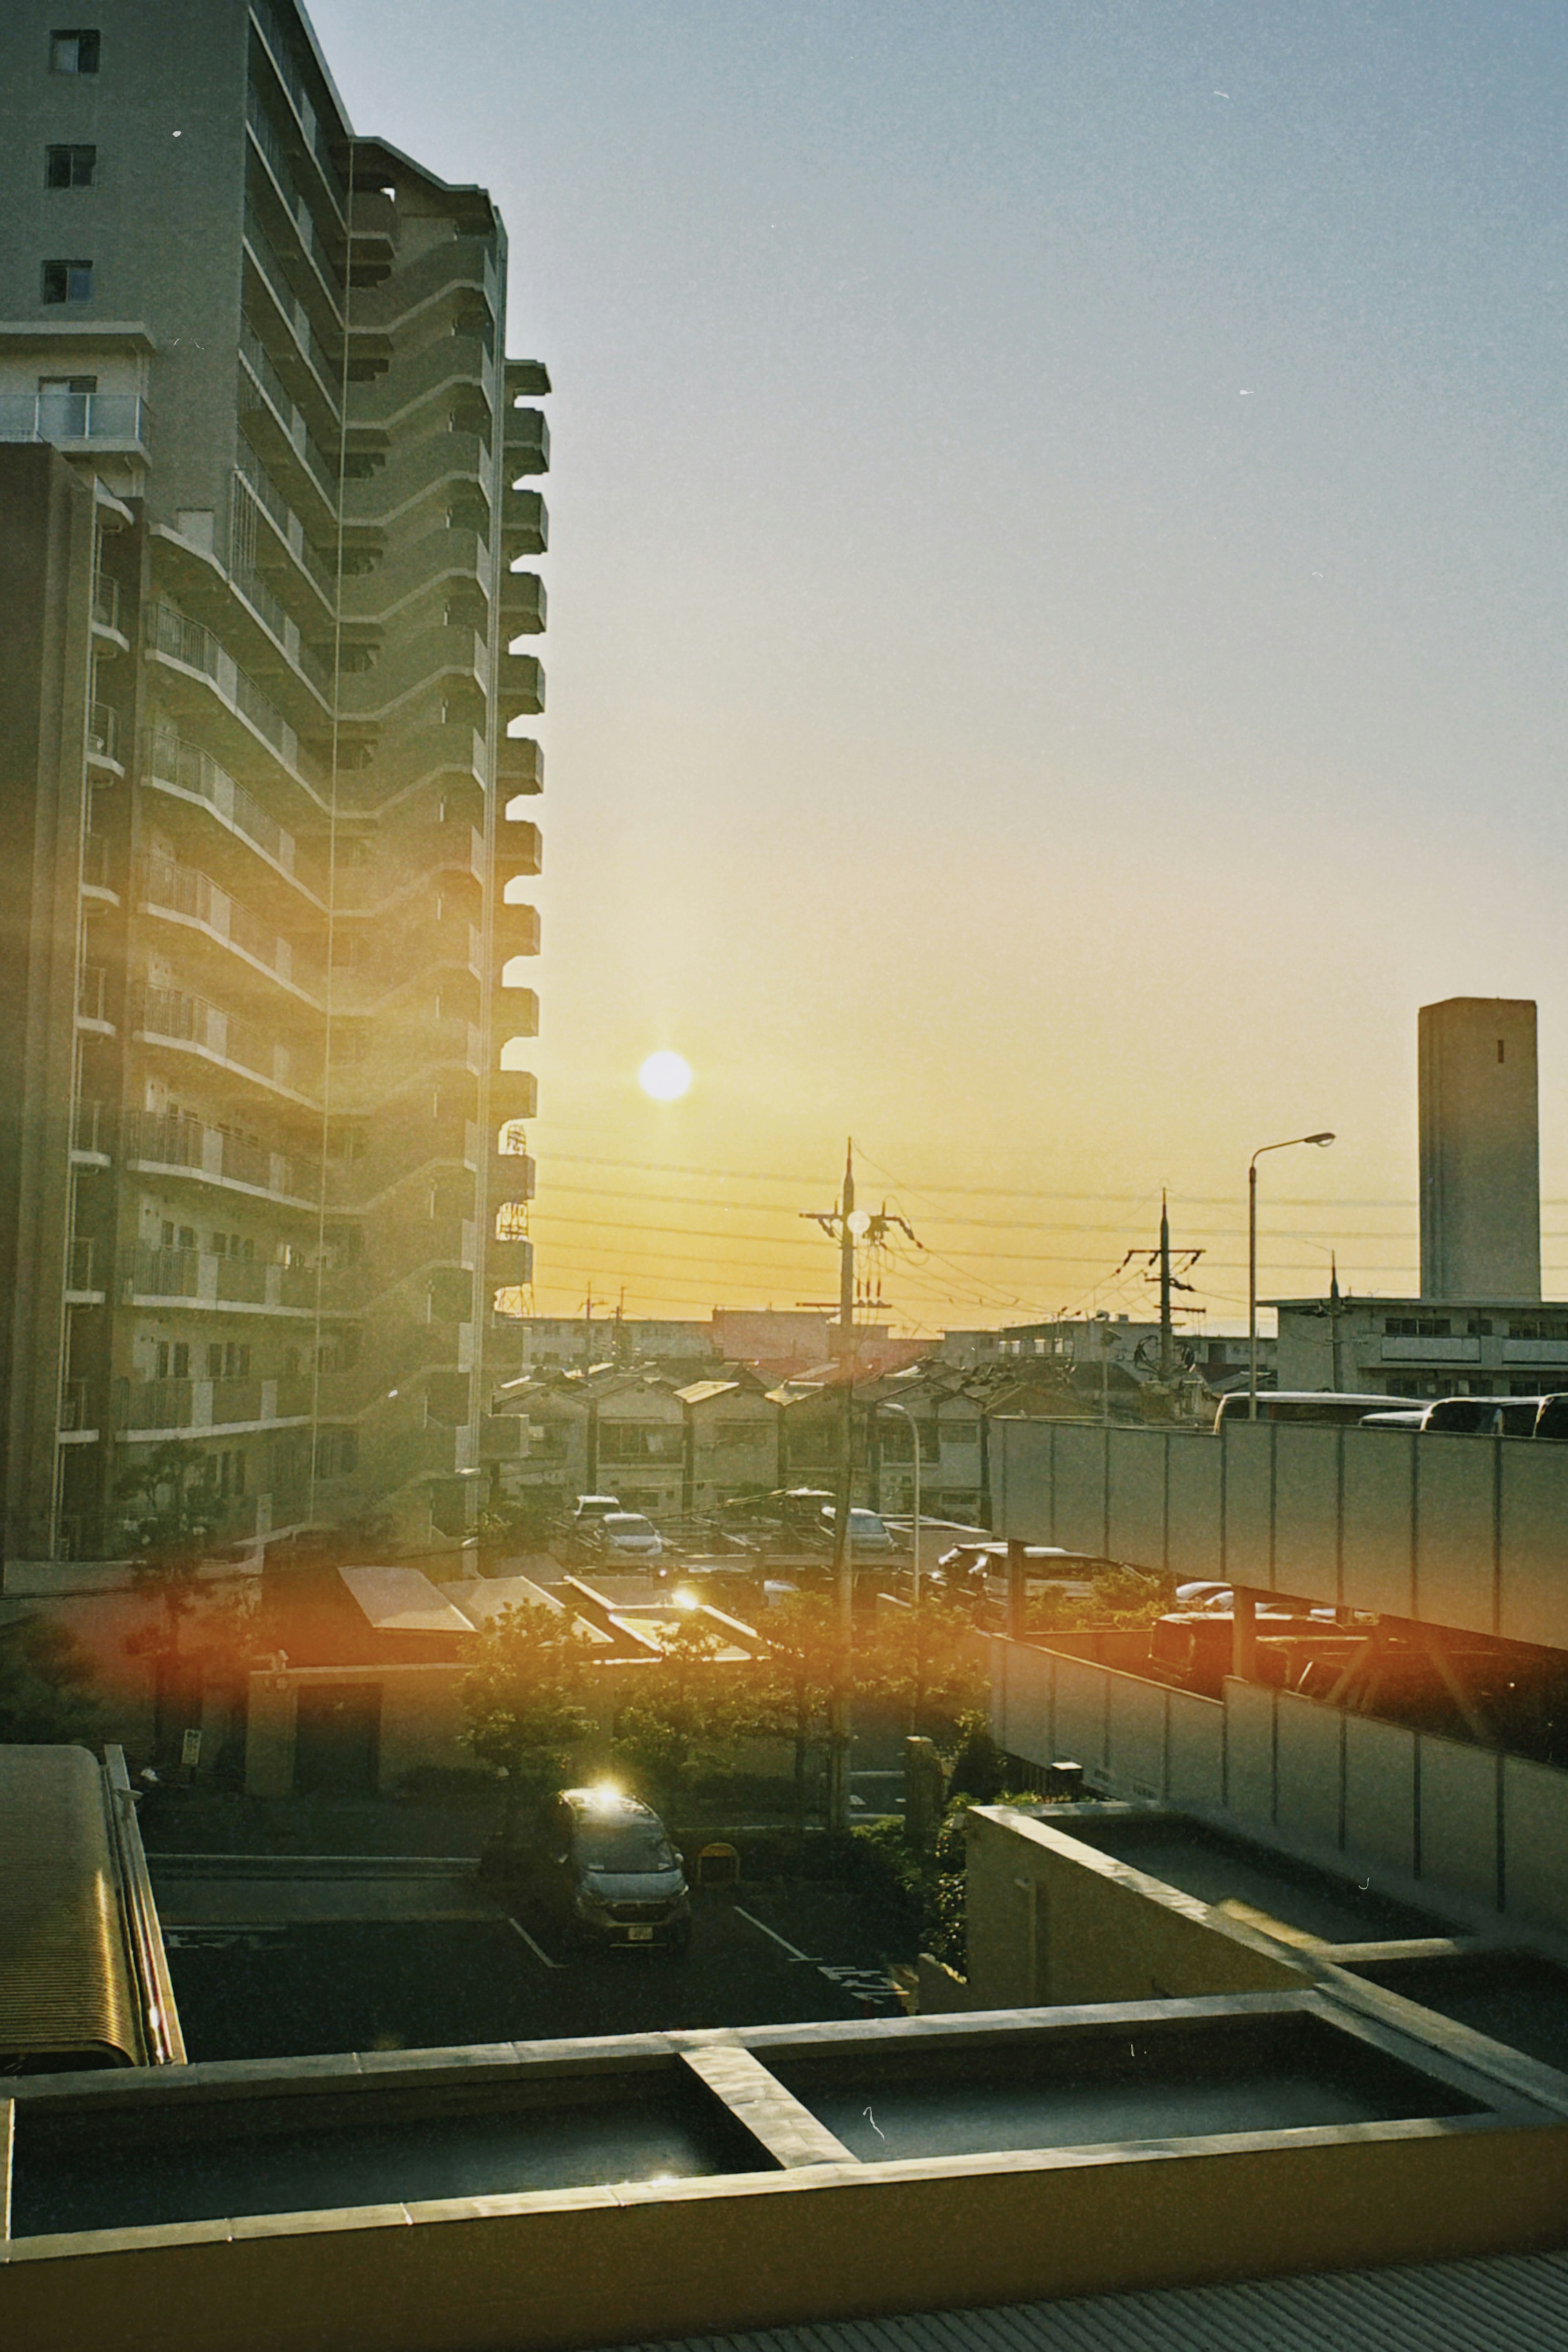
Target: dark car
[{"x": 611, "y": 1874}]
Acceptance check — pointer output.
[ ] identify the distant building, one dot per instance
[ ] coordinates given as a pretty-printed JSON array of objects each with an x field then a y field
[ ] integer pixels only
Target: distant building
[
  {"x": 1480, "y": 1327},
  {"x": 1128, "y": 1345},
  {"x": 1481, "y": 1149}
]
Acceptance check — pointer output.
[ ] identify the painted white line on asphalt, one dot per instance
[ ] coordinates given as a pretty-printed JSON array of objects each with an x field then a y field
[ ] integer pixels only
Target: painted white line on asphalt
[
  {"x": 763, "y": 1927},
  {"x": 537, "y": 1950}
]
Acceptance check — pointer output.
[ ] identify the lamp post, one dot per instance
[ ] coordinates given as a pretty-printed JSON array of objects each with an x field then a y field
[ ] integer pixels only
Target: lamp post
[
  {"x": 1288, "y": 1145},
  {"x": 904, "y": 1413}
]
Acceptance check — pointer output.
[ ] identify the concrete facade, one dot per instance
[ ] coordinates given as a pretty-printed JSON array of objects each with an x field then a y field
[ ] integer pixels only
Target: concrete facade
[
  {"x": 275, "y": 681},
  {"x": 1473, "y": 1344},
  {"x": 1481, "y": 1149}
]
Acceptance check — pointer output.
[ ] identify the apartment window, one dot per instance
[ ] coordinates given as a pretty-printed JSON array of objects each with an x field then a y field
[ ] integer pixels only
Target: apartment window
[
  {"x": 71, "y": 167},
  {"x": 74, "y": 53},
  {"x": 1418, "y": 1327},
  {"x": 180, "y": 1360},
  {"x": 66, "y": 281}
]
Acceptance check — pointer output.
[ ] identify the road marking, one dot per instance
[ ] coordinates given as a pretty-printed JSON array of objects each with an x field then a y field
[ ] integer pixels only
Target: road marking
[
  {"x": 773, "y": 1937},
  {"x": 537, "y": 1950}
]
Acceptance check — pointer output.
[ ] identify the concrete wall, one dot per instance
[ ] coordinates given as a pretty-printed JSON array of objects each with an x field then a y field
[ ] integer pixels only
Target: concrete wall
[
  {"x": 1484, "y": 1831},
  {"x": 1050, "y": 1920},
  {"x": 1467, "y": 1532}
]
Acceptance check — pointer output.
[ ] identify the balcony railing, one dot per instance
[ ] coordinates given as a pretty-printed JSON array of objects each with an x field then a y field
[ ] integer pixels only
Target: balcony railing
[
  {"x": 74, "y": 1409},
  {"x": 102, "y": 730},
  {"x": 154, "y": 1404},
  {"x": 106, "y": 600},
  {"x": 80, "y": 1256},
  {"x": 171, "y": 1014},
  {"x": 67, "y": 416},
  {"x": 288, "y": 74},
  {"x": 296, "y": 431},
  {"x": 288, "y": 301},
  {"x": 168, "y": 759},
  {"x": 95, "y": 859},
  {"x": 186, "y": 890},
  {"x": 197, "y": 648},
  {"x": 89, "y": 1129},
  {"x": 92, "y": 992},
  {"x": 164, "y": 1140},
  {"x": 166, "y": 1273}
]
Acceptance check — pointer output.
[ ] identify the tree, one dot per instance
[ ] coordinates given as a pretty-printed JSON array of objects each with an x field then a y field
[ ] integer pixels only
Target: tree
[
  {"x": 686, "y": 1710},
  {"x": 172, "y": 1529},
  {"x": 525, "y": 1707},
  {"x": 44, "y": 1685},
  {"x": 927, "y": 1661},
  {"x": 804, "y": 1637}
]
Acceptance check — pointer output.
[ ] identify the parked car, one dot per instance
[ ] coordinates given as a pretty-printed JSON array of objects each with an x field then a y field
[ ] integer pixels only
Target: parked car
[
  {"x": 867, "y": 1535},
  {"x": 610, "y": 1874},
  {"x": 593, "y": 1507},
  {"x": 628, "y": 1534}
]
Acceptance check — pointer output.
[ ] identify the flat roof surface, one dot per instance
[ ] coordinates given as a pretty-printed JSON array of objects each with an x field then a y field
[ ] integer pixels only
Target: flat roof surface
[
  {"x": 403, "y": 1600},
  {"x": 1516, "y": 2303}
]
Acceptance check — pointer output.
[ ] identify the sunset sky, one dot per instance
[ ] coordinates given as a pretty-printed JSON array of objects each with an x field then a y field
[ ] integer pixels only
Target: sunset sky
[{"x": 1057, "y": 613}]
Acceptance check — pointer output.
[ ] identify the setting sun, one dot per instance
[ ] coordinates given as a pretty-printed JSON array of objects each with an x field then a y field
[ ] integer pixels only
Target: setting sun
[{"x": 665, "y": 1077}]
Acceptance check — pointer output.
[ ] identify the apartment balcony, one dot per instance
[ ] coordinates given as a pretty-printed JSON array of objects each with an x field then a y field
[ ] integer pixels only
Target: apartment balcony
[
  {"x": 271, "y": 302},
  {"x": 196, "y": 672},
  {"x": 109, "y": 639},
  {"x": 523, "y": 604},
  {"x": 92, "y": 1000},
  {"x": 516, "y": 1012},
  {"x": 372, "y": 236},
  {"x": 147, "y": 1411},
  {"x": 172, "y": 765},
  {"x": 520, "y": 682},
  {"x": 103, "y": 737},
  {"x": 525, "y": 442},
  {"x": 519, "y": 765},
  {"x": 158, "y": 1144},
  {"x": 517, "y": 931},
  {"x": 172, "y": 1018},
  {"x": 418, "y": 757},
  {"x": 1431, "y": 1351},
  {"x": 524, "y": 523},
  {"x": 527, "y": 380},
  {"x": 91, "y": 1130},
  {"x": 200, "y": 1279},
  {"x": 519, "y": 846},
  {"x": 76, "y": 1420},
  {"x": 515, "y": 1095},
  {"x": 185, "y": 894},
  {"x": 98, "y": 868},
  {"x": 518, "y": 1177},
  {"x": 509, "y": 1265},
  {"x": 85, "y": 1271},
  {"x": 95, "y": 424}
]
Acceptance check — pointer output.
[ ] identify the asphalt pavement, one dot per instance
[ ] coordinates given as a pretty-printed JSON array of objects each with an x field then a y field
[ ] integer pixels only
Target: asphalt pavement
[{"x": 282, "y": 1985}]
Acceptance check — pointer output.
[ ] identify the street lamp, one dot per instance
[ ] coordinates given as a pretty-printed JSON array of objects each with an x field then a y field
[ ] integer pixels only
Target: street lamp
[
  {"x": 1288, "y": 1145},
  {"x": 904, "y": 1413}
]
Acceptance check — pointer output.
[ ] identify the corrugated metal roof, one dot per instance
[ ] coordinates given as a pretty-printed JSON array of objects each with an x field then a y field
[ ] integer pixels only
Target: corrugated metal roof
[
  {"x": 65, "y": 1980},
  {"x": 1514, "y": 2303}
]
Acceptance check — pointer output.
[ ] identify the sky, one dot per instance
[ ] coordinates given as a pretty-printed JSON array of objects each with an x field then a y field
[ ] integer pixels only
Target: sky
[{"x": 1057, "y": 615}]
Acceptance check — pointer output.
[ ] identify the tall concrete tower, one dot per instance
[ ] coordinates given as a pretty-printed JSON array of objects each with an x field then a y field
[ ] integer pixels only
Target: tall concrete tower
[{"x": 1481, "y": 1149}]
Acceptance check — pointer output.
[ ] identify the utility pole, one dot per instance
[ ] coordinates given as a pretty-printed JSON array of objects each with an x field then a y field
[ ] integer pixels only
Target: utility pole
[
  {"x": 1334, "y": 1312},
  {"x": 588, "y": 1329},
  {"x": 847, "y": 1226},
  {"x": 1167, "y": 1363}
]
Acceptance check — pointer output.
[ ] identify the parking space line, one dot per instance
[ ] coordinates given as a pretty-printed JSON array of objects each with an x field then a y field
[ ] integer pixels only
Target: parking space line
[
  {"x": 537, "y": 1950},
  {"x": 773, "y": 1937}
]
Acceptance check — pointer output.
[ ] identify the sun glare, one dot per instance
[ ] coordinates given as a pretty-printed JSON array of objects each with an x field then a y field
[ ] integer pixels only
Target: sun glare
[{"x": 665, "y": 1077}]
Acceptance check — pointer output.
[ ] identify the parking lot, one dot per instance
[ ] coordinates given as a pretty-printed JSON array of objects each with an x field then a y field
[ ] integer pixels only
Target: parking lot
[{"x": 260, "y": 1972}]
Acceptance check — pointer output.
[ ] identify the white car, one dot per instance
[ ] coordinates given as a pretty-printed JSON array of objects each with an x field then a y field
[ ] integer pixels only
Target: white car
[
  {"x": 626, "y": 1535},
  {"x": 866, "y": 1532}
]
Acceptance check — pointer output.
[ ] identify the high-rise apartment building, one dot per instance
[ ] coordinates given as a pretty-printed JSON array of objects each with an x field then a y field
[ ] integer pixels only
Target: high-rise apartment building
[
  {"x": 266, "y": 505},
  {"x": 1481, "y": 1149}
]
